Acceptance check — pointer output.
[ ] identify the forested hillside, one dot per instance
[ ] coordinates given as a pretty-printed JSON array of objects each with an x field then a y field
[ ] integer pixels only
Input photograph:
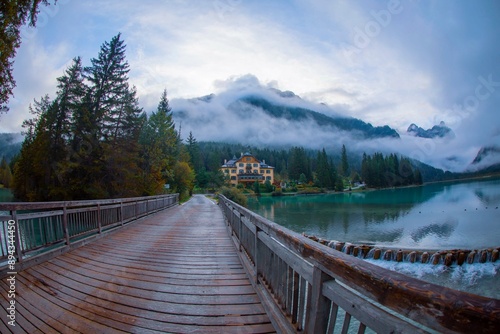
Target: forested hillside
[{"x": 298, "y": 165}]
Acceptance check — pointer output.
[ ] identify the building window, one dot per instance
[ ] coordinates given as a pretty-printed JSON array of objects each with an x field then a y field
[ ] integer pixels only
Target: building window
[
  {"x": 241, "y": 171},
  {"x": 255, "y": 165},
  {"x": 233, "y": 171},
  {"x": 241, "y": 164},
  {"x": 233, "y": 177},
  {"x": 262, "y": 171},
  {"x": 268, "y": 178},
  {"x": 248, "y": 159},
  {"x": 268, "y": 171},
  {"x": 226, "y": 171}
]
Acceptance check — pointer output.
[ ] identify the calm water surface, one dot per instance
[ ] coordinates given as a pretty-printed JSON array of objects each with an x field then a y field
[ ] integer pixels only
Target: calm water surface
[{"x": 436, "y": 216}]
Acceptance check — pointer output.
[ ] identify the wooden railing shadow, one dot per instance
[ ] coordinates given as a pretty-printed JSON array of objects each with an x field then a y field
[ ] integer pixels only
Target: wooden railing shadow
[
  {"x": 31, "y": 233},
  {"x": 321, "y": 290}
]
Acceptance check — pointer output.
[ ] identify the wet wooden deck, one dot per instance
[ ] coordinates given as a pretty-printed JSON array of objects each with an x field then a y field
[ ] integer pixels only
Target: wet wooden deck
[{"x": 177, "y": 271}]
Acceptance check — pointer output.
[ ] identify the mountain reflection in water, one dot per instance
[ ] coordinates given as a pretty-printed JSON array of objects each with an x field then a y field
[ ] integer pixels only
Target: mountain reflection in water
[{"x": 441, "y": 231}]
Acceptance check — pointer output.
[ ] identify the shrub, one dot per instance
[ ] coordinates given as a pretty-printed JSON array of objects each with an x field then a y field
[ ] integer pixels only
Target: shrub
[
  {"x": 234, "y": 195},
  {"x": 277, "y": 192},
  {"x": 310, "y": 191}
]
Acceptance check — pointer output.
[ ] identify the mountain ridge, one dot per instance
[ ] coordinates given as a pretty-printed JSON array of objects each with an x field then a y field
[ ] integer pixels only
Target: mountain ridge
[
  {"x": 440, "y": 130},
  {"x": 277, "y": 105},
  {"x": 486, "y": 160},
  {"x": 349, "y": 124}
]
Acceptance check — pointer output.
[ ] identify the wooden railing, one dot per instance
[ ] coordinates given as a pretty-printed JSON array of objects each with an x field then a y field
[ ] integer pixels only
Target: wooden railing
[
  {"x": 30, "y": 229},
  {"x": 322, "y": 290}
]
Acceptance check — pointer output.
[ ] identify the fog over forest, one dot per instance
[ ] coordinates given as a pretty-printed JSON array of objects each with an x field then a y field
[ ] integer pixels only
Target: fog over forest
[{"x": 224, "y": 117}]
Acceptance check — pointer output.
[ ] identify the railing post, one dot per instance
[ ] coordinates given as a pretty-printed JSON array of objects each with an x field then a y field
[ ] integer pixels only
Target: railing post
[
  {"x": 17, "y": 235},
  {"x": 121, "y": 212},
  {"x": 317, "y": 318},
  {"x": 99, "y": 222},
  {"x": 256, "y": 254},
  {"x": 239, "y": 230},
  {"x": 65, "y": 224}
]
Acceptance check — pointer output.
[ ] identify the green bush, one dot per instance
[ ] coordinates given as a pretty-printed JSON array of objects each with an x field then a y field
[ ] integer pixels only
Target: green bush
[
  {"x": 234, "y": 195},
  {"x": 310, "y": 191},
  {"x": 277, "y": 192}
]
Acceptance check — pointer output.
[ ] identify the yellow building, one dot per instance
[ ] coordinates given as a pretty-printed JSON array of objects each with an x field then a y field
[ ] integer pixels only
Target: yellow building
[{"x": 247, "y": 169}]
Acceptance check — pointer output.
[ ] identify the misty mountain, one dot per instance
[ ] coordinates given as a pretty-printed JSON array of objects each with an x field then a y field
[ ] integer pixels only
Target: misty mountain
[
  {"x": 486, "y": 160},
  {"x": 245, "y": 111},
  {"x": 356, "y": 127},
  {"x": 440, "y": 130},
  {"x": 10, "y": 145},
  {"x": 266, "y": 116}
]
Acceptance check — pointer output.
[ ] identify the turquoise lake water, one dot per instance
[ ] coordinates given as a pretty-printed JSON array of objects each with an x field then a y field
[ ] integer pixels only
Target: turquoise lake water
[
  {"x": 454, "y": 215},
  {"x": 435, "y": 216}
]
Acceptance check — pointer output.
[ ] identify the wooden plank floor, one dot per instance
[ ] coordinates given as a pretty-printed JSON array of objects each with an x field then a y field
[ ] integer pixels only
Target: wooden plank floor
[{"x": 176, "y": 271}]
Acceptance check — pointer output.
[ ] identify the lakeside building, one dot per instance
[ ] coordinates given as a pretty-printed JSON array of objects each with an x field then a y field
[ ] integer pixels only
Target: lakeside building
[{"x": 247, "y": 169}]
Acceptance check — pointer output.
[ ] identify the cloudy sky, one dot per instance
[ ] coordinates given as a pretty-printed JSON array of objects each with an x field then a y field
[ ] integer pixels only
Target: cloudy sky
[{"x": 385, "y": 62}]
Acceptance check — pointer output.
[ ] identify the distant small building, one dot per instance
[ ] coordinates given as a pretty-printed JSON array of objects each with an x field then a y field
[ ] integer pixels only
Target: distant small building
[{"x": 247, "y": 169}]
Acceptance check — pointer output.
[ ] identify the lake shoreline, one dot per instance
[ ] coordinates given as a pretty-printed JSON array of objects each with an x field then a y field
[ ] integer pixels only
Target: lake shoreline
[{"x": 366, "y": 189}]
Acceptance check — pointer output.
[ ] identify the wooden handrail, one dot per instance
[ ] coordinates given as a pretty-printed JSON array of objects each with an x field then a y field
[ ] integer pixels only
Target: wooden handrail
[
  {"x": 9, "y": 206},
  {"x": 285, "y": 262},
  {"x": 43, "y": 227}
]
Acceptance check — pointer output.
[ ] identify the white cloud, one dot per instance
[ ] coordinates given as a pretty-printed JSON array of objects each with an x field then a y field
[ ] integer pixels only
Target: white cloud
[
  {"x": 413, "y": 68},
  {"x": 35, "y": 72}
]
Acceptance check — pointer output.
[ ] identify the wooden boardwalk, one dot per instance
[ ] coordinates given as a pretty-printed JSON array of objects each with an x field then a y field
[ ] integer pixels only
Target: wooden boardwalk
[{"x": 177, "y": 271}]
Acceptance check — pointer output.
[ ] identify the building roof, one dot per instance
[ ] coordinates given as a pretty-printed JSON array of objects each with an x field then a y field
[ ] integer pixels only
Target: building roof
[{"x": 232, "y": 163}]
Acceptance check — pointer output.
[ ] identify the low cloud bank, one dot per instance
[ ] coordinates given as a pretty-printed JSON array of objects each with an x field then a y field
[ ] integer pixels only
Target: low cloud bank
[{"x": 224, "y": 117}]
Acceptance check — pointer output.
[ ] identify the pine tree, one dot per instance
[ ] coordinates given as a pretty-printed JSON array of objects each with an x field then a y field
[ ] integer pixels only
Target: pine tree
[
  {"x": 108, "y": 78},
  {"x": 60, "y": 128},
  {"x": 194, "y": 152},
  {"x": 344, "y": 162},
  {"x": 323, "y": 171},
  {"x": 334, "y": 177},
  {"x": 159, "y": 145},
  {"x": 115, "y": 121},
  {"x": 33, "y": 172},
  {"x": 299, "y": 164}
]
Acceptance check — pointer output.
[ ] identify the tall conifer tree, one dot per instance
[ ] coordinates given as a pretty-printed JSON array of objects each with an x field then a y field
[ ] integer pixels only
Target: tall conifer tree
[{"x": 159, "y": 144}]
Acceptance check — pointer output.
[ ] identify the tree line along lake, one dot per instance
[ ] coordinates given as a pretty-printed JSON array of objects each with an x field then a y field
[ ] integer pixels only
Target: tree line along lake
[{"x": 437, "y": 216}]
